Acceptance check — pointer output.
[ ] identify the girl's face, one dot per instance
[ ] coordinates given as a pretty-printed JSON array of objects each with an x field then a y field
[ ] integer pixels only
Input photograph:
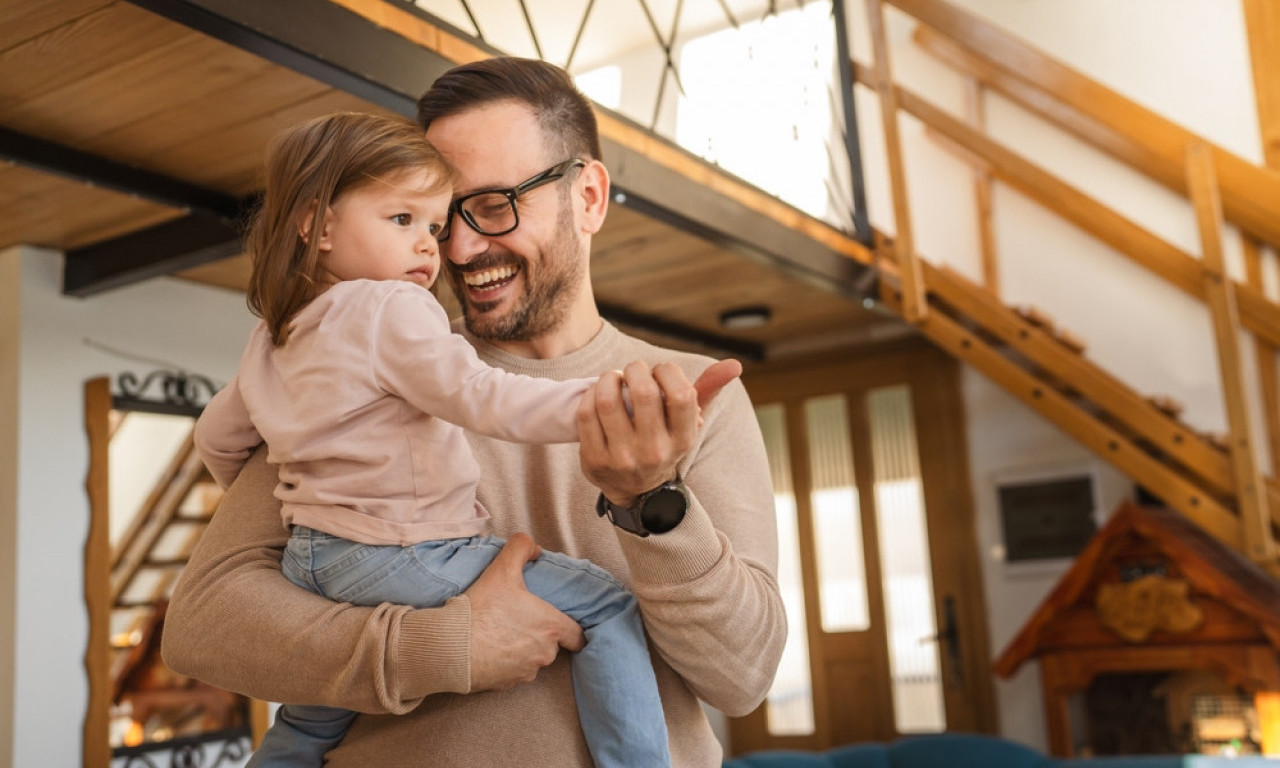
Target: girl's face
[{"x": 386, "y": 230}]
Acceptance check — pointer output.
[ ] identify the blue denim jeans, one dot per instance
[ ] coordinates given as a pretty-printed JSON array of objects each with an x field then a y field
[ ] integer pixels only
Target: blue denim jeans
[{"x": 617, "y": 694}]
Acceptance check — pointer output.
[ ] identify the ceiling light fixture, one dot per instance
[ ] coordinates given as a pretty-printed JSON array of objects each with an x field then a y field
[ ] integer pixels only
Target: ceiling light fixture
[{"x": 744, "y": 318}]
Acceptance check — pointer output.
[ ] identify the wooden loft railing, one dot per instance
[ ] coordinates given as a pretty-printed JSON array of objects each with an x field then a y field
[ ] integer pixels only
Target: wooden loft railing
[
  {"x": 1092, "y": 112},
  {"x": 1218, "y": 485}
]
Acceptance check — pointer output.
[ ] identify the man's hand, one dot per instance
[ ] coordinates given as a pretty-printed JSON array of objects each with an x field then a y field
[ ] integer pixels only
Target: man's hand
[
  {"x": 627, "y": 451},
  {"x": 513, "y": 632}
]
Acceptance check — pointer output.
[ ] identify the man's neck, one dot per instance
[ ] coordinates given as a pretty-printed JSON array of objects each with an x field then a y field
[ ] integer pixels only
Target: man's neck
[{"x": 570, "y": 336}]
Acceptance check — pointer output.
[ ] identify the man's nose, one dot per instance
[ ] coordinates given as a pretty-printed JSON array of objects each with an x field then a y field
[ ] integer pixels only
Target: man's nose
[{"x": 464, "y": 243}]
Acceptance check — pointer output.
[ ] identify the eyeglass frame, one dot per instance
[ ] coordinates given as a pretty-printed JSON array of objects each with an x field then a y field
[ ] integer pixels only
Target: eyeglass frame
[{"x": 554, "y": 173}]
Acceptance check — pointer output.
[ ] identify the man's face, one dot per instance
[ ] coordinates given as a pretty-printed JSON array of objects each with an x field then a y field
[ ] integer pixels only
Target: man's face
[{"x": 521, "y": 285}]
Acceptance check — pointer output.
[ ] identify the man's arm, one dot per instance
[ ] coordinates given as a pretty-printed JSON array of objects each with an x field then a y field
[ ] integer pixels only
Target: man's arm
[
  {"x": 235, "y": 622},
  {"x": 707, "y": 589}
]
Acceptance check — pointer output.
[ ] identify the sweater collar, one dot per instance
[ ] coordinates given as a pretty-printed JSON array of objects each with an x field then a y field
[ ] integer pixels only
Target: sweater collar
[{"x": 589, "y": 360}]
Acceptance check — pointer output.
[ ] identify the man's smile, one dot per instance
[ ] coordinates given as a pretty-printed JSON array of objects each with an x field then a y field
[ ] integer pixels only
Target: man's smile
[{"x": 491, "y": 279}]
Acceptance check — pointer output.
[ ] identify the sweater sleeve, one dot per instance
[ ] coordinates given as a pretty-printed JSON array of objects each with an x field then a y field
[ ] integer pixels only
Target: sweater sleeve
[
  {"x": 416, "y": 357},
  {"x": 234, "y": 617},
  {"x": 708, "y": 589},
  {"x": 224, "y": 434}
]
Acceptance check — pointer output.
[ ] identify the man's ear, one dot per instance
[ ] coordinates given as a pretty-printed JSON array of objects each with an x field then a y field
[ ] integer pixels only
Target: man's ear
[
  {"x": 595, "y": 196},
  {"x": 307, "y": 223}
]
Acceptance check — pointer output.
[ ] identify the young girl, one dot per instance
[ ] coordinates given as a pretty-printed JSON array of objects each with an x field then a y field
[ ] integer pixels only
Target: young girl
[{"x": 361, "y": 393}]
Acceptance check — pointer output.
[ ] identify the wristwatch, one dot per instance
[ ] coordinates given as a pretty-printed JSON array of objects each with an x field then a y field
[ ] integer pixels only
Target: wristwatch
[{"x": 656, "y": 511}]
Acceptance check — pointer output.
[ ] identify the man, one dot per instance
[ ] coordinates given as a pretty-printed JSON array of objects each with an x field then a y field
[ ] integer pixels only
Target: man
[{"x": 693, "y": 532}]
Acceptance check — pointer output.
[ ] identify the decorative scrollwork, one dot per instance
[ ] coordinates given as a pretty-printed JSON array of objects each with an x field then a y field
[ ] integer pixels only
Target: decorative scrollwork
[
  {"x": 222, "y": 748},
  {"x": 174, "y": 392}
]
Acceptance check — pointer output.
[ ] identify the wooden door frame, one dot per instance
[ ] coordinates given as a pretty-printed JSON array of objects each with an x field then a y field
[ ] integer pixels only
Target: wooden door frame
[{"x": 936, "y": 402}]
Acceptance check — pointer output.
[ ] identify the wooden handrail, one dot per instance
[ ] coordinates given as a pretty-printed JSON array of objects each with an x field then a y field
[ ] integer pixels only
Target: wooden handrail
[
  {"x": 1176, "y": 491},
  {"x": 1093, "y": 112},
  {"x": 1258, "y": 313}
]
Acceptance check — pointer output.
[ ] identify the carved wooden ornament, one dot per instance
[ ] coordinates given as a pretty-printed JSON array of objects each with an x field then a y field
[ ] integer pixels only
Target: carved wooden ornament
[{"x": 1136, "y": 609}]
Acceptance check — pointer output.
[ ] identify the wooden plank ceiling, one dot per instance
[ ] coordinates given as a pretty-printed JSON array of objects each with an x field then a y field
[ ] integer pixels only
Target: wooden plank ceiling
[{"x": 111, "y": 80}]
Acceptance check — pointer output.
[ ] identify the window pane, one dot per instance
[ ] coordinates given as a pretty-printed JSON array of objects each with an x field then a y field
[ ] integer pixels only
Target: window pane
[
  {"x": 904, "y": 558},
  {"x": 789, "y": 706},
  {"x": 837, "y": 524}
]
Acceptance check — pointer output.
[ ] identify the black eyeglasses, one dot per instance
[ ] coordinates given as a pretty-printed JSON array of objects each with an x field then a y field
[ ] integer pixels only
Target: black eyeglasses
[{"x": 493, "y": 212}]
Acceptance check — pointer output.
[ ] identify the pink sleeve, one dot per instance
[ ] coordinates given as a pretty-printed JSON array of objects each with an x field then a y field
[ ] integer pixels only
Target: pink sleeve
[
  {"x": 224, "y": 435},
  {"x": 418, "y": 358}
]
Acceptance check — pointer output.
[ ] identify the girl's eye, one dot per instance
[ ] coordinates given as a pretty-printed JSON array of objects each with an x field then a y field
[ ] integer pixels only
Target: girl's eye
[
  {"x": 403, "y": 219},
  {"x": 435, "y": 229}
]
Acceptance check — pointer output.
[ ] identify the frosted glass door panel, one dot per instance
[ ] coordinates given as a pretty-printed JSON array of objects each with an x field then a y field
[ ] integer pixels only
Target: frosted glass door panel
[
  {"x": 789, "y": 705},
  {"x": 904, "y": 558},
  {"x": 837, "y": 521}
]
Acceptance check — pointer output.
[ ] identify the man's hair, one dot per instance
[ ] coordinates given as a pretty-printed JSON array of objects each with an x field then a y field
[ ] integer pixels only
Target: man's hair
[
  {"x": 564, "y": 114},
  {"x": 309, "y": 167}
]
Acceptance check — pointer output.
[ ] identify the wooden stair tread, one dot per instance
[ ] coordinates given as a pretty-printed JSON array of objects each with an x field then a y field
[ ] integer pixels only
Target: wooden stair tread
[
  {"x": 1167, "y": 405},
  {"x": 1070, "y": 341},
  {"x": 1034, "y": 315}
]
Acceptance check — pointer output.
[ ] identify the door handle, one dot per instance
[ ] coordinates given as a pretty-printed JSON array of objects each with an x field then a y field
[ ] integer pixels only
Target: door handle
[{"x": 949, "y": 636}]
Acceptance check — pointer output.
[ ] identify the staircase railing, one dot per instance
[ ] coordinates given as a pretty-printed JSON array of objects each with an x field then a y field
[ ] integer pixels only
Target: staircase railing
[{"x": 1216, "y": 484}]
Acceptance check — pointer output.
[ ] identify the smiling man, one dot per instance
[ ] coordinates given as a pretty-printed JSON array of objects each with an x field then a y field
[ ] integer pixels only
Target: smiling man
[{"x": 681, "y": 514}]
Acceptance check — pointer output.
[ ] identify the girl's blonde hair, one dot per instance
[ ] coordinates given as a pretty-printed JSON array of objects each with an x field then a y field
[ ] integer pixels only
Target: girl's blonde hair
[{"x": 308, "y": 168}]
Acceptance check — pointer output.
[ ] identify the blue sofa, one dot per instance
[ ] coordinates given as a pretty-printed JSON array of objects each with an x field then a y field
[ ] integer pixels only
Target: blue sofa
[{"x": 962, "y": 750}]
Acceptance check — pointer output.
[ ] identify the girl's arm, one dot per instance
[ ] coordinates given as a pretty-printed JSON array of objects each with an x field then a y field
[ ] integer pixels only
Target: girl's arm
[{"x": 224, "y": 434}]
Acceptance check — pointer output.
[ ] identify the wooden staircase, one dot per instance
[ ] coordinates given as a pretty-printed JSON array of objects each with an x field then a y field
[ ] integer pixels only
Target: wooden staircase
[
  {"x": 154, "y": 547},
  {"x": 1213, "y": 480}
]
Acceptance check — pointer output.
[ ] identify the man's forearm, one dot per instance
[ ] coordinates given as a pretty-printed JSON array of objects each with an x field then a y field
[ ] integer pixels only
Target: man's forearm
[
  {"x": 236, "y": 622},
  {"x": 731, "y": 611},
  {"x": 708, "y": 588}
]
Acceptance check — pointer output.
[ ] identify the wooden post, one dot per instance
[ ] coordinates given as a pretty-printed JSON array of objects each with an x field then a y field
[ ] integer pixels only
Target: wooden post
[
  {"x": 914, "y": 303},
  {"x": 975, "y": 113},
  {"x": 1262, "y": 24},
  {"x": 1265, "y": 353},
  {"x": 97, "y": 570},
  {"x": 1220, "y": 294}
]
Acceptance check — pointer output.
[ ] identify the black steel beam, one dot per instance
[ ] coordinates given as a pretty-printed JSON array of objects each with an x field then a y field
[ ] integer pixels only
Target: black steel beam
[
  {"x": 320, "y": 39},
  {"x": 194, "y": 239},
  {"x": 623, "y": 316},
  {"x": 108, "y": 174},
  {"x": 661, "y": 193},
  {"x": 852, "y": 144}
]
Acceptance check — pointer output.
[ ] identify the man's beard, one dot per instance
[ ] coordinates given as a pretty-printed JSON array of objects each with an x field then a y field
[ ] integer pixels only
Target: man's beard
[{"x": 547, "y": 295}]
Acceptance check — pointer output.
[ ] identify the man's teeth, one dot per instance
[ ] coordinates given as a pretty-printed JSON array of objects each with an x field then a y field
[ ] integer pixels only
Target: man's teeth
[{"x": 488, "y": 276}]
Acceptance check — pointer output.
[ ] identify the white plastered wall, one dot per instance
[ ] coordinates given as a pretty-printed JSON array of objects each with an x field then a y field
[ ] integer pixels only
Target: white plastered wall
[
  {"x": 1188, "y": 61},
  {"x": 199, "y": 328}
]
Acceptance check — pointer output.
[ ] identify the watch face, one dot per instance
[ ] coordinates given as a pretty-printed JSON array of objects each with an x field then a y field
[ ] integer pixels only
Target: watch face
[{"x": 663, "y": 510}]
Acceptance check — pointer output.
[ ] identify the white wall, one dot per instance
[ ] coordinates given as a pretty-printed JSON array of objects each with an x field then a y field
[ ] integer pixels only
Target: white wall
[
  {"x": 1187, "y": 60},
  {"x": 198, "y": 328}
]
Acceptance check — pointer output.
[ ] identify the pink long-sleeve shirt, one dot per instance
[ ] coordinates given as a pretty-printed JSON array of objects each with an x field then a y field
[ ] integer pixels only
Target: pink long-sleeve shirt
[{"x": 363, "y": 410}]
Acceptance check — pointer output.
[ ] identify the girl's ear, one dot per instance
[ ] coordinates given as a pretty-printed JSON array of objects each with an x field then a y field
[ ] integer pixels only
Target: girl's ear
[{"x": 307, "y": 223}]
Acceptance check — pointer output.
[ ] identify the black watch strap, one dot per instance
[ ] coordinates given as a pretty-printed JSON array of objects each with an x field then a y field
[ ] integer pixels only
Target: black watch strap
[{"x": 655, "y": 511}]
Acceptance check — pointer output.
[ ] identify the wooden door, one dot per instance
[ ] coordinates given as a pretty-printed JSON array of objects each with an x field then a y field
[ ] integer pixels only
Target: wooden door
[{"x": 878, "y": 558}]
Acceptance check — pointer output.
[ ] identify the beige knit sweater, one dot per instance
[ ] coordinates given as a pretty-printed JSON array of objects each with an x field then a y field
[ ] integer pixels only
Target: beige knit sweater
[{"x": 707, "y": 592}]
